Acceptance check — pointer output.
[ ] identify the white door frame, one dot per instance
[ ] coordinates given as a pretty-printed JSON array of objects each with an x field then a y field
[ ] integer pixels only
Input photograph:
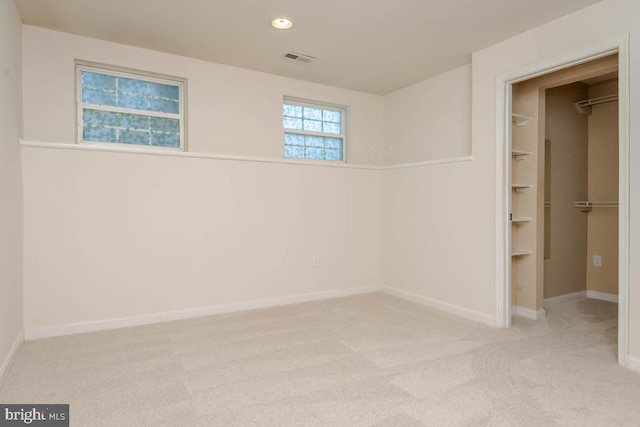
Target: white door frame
[{"x": 503, "y": 177}]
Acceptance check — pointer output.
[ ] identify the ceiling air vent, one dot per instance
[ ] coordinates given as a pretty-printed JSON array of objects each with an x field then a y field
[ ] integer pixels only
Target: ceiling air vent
[{"x": 298, "y": 57}]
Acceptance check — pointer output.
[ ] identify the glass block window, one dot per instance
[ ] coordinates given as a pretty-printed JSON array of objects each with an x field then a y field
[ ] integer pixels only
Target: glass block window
[
  {"x": 124, "y": 108},
  {"x": 313, "y": 131}
]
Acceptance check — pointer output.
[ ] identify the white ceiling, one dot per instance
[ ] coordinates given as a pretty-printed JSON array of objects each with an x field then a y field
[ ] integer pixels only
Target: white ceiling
[{"x": 374, "y": 46}]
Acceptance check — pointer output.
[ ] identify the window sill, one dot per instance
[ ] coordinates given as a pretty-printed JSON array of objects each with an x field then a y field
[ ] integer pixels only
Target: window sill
[{"x": 127, "y": 147}]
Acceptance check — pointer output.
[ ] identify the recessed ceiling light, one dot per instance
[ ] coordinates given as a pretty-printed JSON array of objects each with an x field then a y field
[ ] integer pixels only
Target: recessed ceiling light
[{"x": 282, "y": 23}]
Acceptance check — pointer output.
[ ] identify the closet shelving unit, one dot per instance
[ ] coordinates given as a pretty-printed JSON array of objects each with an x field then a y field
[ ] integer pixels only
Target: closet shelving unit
[{"x": 520, "y": 120}]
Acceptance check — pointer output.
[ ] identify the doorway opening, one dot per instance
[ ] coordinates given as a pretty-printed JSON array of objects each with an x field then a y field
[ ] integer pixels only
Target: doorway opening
[{"x": 526, "y": 212}]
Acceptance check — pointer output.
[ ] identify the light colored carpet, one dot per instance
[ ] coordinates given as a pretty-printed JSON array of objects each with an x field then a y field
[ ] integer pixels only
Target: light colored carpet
[{"x": 368, "y": 360}]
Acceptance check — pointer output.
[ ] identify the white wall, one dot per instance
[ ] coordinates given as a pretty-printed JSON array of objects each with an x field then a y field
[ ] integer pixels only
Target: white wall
[
  {"x": 432, "y": 244},
  {"x": 587, "y": 27},
  {"x": 450, "y": 255},
  {"x": 430, "y": 120},
  {"x": 10, "y": 180},
  {"x": 230, "y": 110},
  {"x": 118, "y": 235},
  {"x": 113, "y": 235}
]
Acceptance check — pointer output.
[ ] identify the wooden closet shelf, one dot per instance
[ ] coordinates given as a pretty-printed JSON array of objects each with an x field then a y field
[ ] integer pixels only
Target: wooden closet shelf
[
  {"x": 521, "y": 219},
  {"x": 520, "y": 154},
  {"x": 521, "y": 252},
  {"x": 520, "y": 119},
  {"x": 521, "y": 187}
]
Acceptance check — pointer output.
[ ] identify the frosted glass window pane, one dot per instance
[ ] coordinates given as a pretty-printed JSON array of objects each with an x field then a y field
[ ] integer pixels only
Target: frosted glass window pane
[
  {"x": 117, "y": 92},
  {"x": 291, "y": 151},
  {"x": 98, "y": 97},
  {"x": 165, "y": 125},
  {"x": 164, "y": 105},
  {"x": 293, "y": 139},
  {"x": 320, "y": 132},
  {"x": 98, "y": 133},
  {"x": 133, "y": 121},
  {"x": 331, "y": 127},
  {"x": 313, "y": 125},
  {"x": 99, "y": 118},
  {"x": 133, "y": 101},
  {"x": 314, "y": 153},
  {"x": 141, "y": 95},
  {"x": 292, "y": 110},
  {"x": 333, "y": 154},
  {"x": 314, "y": 141},
  {"x": 291, "y": 123},
  {"x": 312, "y": 113},
  {"x": 165, "y": 91},
  {"x": 165, "y": 139},
  {"x": 331, "y": 116},
  {"x": 98, "y": 81},
  {"x": 133, "y": 86},
  {"x": 134, "y": 137},
  {"x": 333, "y": 143}
]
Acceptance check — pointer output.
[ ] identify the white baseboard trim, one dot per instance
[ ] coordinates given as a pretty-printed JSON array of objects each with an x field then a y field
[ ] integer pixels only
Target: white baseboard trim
[
  {"x": 602, "y": 296},
  {"x": 441, "y": 306},
  {"x": 633, "y": 363},
  {"x": 588, "y": 294},
  {"x": 527, "y": 313},
  {"x": 266, "y": 303},
  {"x": 567, "y": 297},
  {"x": 101, "y": 325},
  {"x": 92, "y": 326},
  {"x": 8, "y": 361}
]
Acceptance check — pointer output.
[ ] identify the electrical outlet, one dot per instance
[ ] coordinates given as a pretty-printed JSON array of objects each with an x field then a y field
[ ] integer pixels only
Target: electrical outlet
[
  {"x": 597, "y": 261},
  {"x": 372, "y": 151},
  {"x": 390, "y": 151},
  {"x": 315, "y": 261}
]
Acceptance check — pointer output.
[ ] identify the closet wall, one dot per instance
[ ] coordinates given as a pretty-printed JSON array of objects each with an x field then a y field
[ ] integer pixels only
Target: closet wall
[
  {"x": 565, "y": 270},
  {"x": 602, "y": 223}
]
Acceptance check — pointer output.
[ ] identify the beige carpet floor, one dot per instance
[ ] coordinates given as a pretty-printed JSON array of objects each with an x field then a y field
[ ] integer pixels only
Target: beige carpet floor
[{"x": 368, "y": 360}]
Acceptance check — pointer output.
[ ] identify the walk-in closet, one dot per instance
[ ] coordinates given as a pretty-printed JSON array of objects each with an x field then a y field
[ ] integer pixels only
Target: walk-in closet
[{"x": 564, "y": 175}]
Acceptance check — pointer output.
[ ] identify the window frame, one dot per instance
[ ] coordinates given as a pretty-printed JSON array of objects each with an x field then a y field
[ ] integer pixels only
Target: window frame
[
  {"x": 116, "y": 71},
  {"x": 342, "y": 109}
]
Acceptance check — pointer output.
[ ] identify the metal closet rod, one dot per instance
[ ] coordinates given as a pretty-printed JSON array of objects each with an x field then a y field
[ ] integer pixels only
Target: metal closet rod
[
  {"x": 603, "y": 204},
  {"x": 588, "y": 205},
  {"x": 580, "y": 105}
]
